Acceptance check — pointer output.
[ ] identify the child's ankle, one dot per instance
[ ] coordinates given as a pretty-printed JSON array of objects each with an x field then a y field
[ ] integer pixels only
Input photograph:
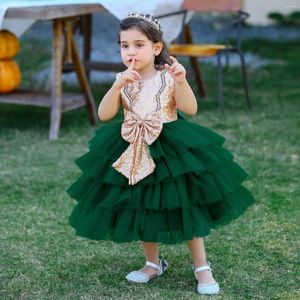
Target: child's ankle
[{"x": 155, "y": 261}]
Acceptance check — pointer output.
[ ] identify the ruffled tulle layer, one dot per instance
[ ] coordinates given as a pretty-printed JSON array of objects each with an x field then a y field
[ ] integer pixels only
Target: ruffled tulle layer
[{"x": 195, "y": 187}]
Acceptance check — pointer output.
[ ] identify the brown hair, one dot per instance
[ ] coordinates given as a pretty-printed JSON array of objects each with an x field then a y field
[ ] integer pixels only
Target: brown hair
[{"x": 152, "y": 34}]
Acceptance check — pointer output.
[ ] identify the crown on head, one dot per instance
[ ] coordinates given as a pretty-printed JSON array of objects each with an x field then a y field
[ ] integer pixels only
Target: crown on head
[{"x": 146, "y": 17}]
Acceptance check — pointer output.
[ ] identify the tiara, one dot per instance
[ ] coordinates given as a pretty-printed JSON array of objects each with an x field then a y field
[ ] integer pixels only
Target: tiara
[{"x": 146, "y": 17}]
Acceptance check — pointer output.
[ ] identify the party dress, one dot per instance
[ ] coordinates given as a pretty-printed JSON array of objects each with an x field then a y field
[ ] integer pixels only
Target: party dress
[{"x": 155, "y": 176}]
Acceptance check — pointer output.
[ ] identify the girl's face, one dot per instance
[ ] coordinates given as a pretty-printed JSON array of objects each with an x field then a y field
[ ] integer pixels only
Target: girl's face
[{"x": 135, "y": 44}]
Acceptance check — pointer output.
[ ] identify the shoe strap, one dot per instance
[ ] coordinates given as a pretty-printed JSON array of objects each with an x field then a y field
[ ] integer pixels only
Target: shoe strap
[
  {"x": 151, "y": 264},
  {"x": 203, "y": 268}
]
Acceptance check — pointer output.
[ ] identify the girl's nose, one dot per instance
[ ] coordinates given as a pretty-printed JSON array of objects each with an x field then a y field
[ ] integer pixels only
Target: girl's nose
[{"x": 131, "y": 51}]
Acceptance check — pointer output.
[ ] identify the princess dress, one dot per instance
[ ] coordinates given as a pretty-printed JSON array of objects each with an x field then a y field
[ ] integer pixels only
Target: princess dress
[{"x": 155, "y": 176}]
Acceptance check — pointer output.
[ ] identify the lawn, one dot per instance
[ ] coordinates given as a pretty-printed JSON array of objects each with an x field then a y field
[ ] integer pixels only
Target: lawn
[{"x": 254, "y": 257}]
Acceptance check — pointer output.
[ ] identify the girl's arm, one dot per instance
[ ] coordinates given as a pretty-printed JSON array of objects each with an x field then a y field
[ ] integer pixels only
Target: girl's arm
[
  {"x": 185, "y": 98},
  {"x": 110, "y": 103},
  {"x": 184, "y": 95}
]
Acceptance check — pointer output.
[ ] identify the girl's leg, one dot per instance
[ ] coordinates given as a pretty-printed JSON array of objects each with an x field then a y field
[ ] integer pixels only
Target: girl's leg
[
  {"x": 196, "y": 247},
  {"x": 151, "y": 254},
  {"x": 151, "y": 251}
]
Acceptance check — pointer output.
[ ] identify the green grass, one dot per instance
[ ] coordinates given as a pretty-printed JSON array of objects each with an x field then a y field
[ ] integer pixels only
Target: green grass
[{"x": 254, "y": 257}]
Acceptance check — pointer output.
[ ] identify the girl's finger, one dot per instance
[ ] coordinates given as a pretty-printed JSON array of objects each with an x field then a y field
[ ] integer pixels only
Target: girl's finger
[
  {"x": 131, "y": 79},
  {"x": 172, "y": 68},
  {"x": 133, "y": 75},
  {"x": 176, "y": 67},
  {"x": 180, "y": 68},
  {"x": 136, "y": 74},
  {"x": 178, "y": 72},
  {"x": 174, "y": 60},
  {"x": 131, "y": 66}
]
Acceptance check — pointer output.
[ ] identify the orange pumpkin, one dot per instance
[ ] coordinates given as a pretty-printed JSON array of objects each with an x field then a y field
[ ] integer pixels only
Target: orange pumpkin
[
  {"x": 9, "y": 44},
  {"x": 10, "y": 75}
]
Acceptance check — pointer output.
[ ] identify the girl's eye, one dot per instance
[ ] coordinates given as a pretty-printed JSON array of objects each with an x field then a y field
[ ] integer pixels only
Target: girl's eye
[
  {"x": 140, "y": 45},
  {"x": 124, "y": 46}
]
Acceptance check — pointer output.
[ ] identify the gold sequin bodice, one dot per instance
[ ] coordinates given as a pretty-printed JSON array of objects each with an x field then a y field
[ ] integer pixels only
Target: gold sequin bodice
[
  {"x": 154, "y": 94},
  {"x": 147, "y": 105}
]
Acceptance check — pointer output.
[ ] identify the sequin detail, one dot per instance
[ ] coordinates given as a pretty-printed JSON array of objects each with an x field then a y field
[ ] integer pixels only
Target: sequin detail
[
  {"x": 147, "y": 105},
  {"x": 132, "y": 91},
  {"x": 136, "y": 162}
]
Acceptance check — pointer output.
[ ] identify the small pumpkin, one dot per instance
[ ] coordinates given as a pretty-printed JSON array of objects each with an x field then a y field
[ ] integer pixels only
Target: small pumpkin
[
  {"x": 9, "y": 44},
  {"x": 10, "y": 75}
]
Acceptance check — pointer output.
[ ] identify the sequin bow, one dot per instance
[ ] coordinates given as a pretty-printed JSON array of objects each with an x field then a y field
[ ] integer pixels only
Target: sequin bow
[{"x": 136, "y": 162}]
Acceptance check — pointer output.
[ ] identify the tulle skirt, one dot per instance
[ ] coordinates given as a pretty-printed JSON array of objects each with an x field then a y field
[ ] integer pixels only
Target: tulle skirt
[{"x": 195, "y": 187}]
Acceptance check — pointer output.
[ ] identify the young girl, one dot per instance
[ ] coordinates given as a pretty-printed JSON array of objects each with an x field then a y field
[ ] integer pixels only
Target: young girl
[{"x": 155, "y": 177}]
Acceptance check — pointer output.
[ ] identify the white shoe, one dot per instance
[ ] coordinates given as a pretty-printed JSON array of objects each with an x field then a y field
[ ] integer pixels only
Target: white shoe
[
  {"x": 206, "y": 288},
  {"x": 140, "y": 277}
]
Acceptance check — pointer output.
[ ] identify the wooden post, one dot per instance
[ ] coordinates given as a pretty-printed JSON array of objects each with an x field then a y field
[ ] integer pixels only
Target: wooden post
[
  {"x": 194, "y": 62},
  {"x": 82, "y": 78},
  {"x": 68, "y": 47},
  {"x": 56, "y": 71},
  {"x": 87, "y": 37}
]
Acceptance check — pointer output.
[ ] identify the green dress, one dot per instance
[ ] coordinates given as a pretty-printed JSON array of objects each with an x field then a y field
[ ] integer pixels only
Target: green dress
[{"x": 155, "y": 176}]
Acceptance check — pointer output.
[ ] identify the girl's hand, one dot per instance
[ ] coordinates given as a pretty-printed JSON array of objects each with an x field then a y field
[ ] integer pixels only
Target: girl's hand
[
  {"x": 128, "y": 76},
  {"x": 176, "y": 70}
]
